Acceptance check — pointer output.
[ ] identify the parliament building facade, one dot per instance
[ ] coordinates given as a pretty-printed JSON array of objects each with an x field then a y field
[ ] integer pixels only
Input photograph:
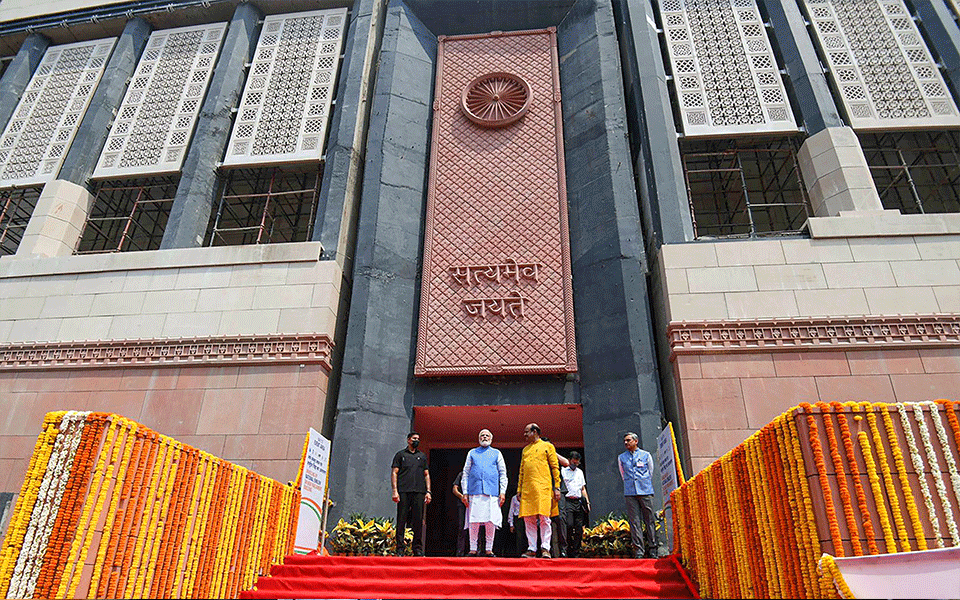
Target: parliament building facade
[{"x": 233, "y": 221}]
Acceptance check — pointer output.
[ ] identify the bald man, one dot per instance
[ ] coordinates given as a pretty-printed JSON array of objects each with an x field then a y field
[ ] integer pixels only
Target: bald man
[{"x": 485, "y": 485}]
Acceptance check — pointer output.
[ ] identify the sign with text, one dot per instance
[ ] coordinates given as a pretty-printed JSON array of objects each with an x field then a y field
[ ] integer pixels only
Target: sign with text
[
  {"x": 313, "y": 489},
  {"x": 667, "y": 460}
]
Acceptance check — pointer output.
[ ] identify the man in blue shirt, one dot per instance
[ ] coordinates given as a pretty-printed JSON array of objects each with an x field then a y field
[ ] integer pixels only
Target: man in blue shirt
[{"x": 636, "y": 469}]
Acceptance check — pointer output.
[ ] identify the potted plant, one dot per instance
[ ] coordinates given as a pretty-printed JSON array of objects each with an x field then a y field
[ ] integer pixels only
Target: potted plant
[{"x": 359, "y": 535}]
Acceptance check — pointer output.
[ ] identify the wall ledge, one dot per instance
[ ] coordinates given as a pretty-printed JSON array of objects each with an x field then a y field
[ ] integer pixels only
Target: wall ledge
[
  {"x": 15, "y": 266},
  {"x": 883, "y": 223}
]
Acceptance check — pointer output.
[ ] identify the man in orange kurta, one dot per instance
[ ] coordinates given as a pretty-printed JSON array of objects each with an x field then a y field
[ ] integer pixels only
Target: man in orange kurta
[{"x": 538, "y": 489}]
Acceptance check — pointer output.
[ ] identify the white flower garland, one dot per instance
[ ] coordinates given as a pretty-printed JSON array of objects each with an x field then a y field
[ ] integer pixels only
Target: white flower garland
[
  {"x": 49, "y": 497},
  {"x": 951, "y": 469},
  {"x": 920, "y": 470}
]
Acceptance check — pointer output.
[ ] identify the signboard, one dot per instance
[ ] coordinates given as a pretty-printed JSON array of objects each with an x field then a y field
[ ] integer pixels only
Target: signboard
[
  {"x": 313, "y": 490},
  {"x": 667, "y": 460}
]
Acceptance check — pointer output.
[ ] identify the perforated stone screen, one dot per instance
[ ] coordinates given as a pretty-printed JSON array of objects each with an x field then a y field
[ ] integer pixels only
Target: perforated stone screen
[
  {"x": 725, "y": 74},
  {"x": 496, "y": 295},
  {"x": 285, "y": 107},
  {"x": 880, "y": 65},
  {"x": 37, "y": 137},
  {"x": 155, "y": 121}
]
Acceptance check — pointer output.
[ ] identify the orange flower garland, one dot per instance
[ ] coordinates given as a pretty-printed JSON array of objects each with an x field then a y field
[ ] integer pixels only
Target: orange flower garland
[
  {"x": 154, "y": 518},
  {"x": 840, "y": 470},
  {"x": 857, "y": 485},
  {"x": 887, "y": 477},
  {"x": 821, "y": 467}
]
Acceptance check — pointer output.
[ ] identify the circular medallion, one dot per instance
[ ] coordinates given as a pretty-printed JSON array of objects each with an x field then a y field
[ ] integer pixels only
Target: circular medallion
[{"x": 495, "y": 99}]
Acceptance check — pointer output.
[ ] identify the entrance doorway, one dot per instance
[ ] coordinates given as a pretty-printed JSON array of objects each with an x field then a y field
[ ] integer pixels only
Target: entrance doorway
[{"x": 447, "y": 433}]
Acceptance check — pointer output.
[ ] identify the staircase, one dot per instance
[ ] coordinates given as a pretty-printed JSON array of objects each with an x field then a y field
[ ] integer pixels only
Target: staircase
[{"x": 439, "y": 577}]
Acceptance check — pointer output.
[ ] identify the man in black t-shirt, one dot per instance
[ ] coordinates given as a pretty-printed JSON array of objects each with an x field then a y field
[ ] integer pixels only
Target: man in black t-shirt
[{"x": 410, "y": 480}]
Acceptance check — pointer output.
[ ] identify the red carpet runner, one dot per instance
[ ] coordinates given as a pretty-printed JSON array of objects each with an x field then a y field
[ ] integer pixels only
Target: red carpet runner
[{"x": 392, "y": 577}]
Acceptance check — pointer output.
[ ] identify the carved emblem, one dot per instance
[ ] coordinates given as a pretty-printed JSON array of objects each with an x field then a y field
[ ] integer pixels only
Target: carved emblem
[{"x": 496, "y": 99}]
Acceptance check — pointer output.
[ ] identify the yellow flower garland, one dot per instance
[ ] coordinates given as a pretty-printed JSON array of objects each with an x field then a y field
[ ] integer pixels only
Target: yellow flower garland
[
  {"x": 912, "y": 511},
  {"x": 887, "y": 477},
  {"x": 874, "y": 480},
  {"x": 832, "y": 573}
]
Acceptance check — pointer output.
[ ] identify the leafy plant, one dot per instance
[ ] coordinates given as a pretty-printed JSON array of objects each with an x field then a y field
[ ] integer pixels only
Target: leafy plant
[
  {"x": 608, "y": 538},
  {"x": 362, "y": 536}
]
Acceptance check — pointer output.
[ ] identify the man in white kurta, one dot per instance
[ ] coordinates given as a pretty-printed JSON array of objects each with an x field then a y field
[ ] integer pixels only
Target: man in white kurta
[{"x": 484, "y": 486}]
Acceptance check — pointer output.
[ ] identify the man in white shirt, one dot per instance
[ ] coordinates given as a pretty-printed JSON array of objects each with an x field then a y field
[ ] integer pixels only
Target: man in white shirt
[
  {"x": 485, "y": 487},
  {"x": 516, "y": 524},
  {"x": 578, "y": 504}
]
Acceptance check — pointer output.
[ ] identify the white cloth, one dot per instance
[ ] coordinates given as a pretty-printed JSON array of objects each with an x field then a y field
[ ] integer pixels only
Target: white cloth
[
  {"x": 545, "y": 531},
  {"x": 489, "y": 530},
  {"x": 575, "y": 482},
  {"x": 514, "y": 511},
  {"x": 484, "y": 509}
]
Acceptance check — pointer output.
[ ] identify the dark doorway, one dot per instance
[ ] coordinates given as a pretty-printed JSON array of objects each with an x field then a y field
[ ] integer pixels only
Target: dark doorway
[{"x": 443, "y": 513}]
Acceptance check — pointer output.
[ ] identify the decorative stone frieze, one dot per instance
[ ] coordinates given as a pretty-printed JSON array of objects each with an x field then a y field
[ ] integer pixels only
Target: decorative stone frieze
[
  {"x": 842, "y": 333},
  {"x": 168, "y": 352}
]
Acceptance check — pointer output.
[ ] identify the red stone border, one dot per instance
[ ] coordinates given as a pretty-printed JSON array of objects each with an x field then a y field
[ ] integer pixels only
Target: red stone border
[
  {"x": 828, "y": 333},
  {"x": 314, "y": 348}
]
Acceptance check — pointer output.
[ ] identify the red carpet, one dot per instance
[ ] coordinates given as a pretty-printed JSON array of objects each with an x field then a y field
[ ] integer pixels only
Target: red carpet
[{"x": 430, "y": 577}]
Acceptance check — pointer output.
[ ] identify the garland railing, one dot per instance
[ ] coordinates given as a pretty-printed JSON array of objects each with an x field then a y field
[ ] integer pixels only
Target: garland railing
[
  {"x": 111, "y": 509},
  {"x": 839, "y": 479}
]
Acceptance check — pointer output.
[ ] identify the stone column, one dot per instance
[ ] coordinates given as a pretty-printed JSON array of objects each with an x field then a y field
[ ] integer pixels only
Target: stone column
[
  {"x": 57, "y": 221},
  {"x": 82, "y": 157},
  {"x": 812, "y": 92},
  {"x": 193, "y": 203},
  {"x": 663, "y": 193},
  {"x": 937, "y": 19},
  {"x": 836, "y": 174},
  {"x": 18, "y": 74},
  {"x": 343, "y": 170}
]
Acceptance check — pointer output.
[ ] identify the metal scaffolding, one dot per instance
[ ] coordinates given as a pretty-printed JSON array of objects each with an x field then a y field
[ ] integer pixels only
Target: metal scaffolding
[
  {"x": 128, "y": 215},
  {"x": 16, "y": 206},
  {"x": 745, "y": 187},
  {"x": 266, "y": 205},
  {"x": 915, "y": 171}
]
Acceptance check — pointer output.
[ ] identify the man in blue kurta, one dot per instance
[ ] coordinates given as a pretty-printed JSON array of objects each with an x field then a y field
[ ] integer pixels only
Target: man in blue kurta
[
  {"x": 484, "y": 485},
  {"x": 636, "y": 469}
]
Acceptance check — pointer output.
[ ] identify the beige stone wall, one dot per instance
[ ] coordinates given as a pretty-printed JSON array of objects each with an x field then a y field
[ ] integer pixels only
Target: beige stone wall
[
  {"x": 252, "y": 415},
  {"x": 11, "y": 10},
  {"x": 823, "y": 277},
  {"x": 726, "y": 397},
  {"x": 237, "y": 290}
]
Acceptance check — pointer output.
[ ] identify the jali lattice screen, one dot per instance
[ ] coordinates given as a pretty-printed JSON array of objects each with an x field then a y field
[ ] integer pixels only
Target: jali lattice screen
[
  {"x": 285, "y": 108},
  {"x": 156, "y": 118},
  {"x": 726, "y": 76},
  {"x": 880, "y": 65},
  {"x": 497, "y": 294},
  {"x": 43, "y": 126}
]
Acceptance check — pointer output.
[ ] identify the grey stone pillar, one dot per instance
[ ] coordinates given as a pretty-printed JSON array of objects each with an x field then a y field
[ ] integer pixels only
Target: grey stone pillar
[
  {"x": 938, "y": 20},
  {"x": 335, "y": 224},
  {"x": 619, "y": 381},
  {"x": 813, "y": 97},
  {"x": 18, "y": 74},
  {"x": 375, "y": 400},
  {"x": 82, "y": 157},
  {"x": 193, "y": 203},
  {"x": 663, "y": 193}
]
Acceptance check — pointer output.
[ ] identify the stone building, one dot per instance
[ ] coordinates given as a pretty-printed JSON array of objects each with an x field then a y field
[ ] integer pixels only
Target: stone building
[{"x": 221, "y": 219}]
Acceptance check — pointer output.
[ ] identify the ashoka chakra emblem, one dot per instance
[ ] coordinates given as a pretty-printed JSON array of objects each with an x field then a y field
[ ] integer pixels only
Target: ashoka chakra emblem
[{"x": 495, "y": 99}]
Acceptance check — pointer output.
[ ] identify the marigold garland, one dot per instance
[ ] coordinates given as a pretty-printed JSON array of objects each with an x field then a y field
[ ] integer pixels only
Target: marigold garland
[
  {"x": 920, "y": 468},
  {"x": 934, "y": 463},
  {"x": 887, "y": 477},
  {"x": 866, "y": 521},
  {"x": 745, "y": 526},
  {"x": 951, "y": 470},
  {"x": 832, "y": 574},
  {"x": 170, "y": 521}
]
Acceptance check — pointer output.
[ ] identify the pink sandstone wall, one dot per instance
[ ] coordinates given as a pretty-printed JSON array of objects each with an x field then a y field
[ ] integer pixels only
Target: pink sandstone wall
[
  {"x": 726, "y": 397},
  {"x": 252, "y": 415}
]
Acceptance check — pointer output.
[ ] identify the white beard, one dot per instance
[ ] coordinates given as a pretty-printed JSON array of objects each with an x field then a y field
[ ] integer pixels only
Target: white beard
[{"x": 484, "y": 444}]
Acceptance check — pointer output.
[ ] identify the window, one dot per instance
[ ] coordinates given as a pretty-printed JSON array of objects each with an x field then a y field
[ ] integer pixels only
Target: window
[
  {"x": 745, "y": 188},
  {"x": 264, "y": 206},
  {"x": 915, "y": 172},
  {"x": 16, "y": 206},
  {"x": 128, "y": 215}
]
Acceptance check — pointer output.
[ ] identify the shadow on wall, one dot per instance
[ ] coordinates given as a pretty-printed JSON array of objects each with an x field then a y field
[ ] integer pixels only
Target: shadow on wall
[{"x": 459, "y": 17}]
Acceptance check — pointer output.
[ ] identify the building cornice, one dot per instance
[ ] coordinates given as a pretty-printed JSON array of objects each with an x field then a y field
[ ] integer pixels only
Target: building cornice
[
  {"x": 309, "y": 348},
  {"x": 814, "y": 333}
]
